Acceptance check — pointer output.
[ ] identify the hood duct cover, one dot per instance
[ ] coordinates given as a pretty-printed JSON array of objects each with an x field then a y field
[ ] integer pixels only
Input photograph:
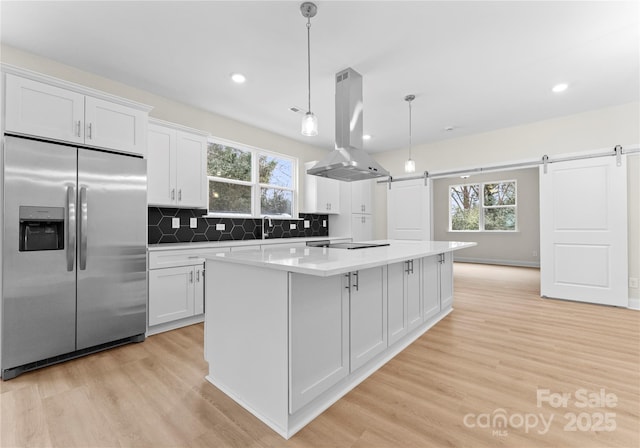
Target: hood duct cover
[{"x": 348, "y": 162}]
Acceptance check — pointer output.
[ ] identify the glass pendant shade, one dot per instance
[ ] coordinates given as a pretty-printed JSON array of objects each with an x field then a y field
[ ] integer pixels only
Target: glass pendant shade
[
  {"x": 309, "y": 124},
  {"x": 409, "y": 166}
]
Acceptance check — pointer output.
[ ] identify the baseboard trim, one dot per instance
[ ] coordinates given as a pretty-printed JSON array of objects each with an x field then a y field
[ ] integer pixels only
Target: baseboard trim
[
  {"x": 168, "y": 326},
  {"x": 526, "y": 264},
  {"x": 634, "y": 304}
]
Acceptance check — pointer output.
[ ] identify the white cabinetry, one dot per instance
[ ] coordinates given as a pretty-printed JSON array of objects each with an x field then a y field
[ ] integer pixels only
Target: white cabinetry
[
  {"x": 368, "y": 314},
  {"x": 437, "y": 274},
  {"x": 176, "y": 287},
  {"x": 177, "y": 293},
  {"x": 63, "y": 111},
  {"x": 319, "y": 337},
  {"x": 321, "y": 195},
  {"x": 356, "y": 207},
  {"x": 361, "y": 227},
  {"x": 362, "y": 196},
  {"x": 404, "y": 298},
  {"x": 176, "y": 170}
]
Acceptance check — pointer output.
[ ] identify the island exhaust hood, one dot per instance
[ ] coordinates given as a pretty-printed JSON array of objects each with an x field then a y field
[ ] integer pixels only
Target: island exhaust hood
[{"x": 348, "y": 162}]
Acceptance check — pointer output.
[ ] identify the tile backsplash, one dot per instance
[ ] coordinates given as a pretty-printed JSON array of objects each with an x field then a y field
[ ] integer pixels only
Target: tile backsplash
[{"x": 160, "y": 229}]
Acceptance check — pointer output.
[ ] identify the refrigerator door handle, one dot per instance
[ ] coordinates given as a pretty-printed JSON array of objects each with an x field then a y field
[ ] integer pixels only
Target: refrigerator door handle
[
  {"x": 71, "y": 227},
  {"x": 83, "y": 229}
]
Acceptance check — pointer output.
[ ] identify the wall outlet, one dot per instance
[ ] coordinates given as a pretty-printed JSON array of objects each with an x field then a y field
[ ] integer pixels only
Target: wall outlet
[
  {"x": 324, "y": 223},
  {"x": 221, "y": 226},
  {"x": 175, "y": 223},
  {"x": 292, "y": 226},
  {"x": 193, "y": 223},
  {"x": 535, "y": 253},
  {"x": 633, "y": 282},
  {"x": 307, "y": 224}
]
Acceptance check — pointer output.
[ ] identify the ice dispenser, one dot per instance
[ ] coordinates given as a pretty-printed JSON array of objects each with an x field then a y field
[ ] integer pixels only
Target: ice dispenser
[{"x": 41, "y": 228}]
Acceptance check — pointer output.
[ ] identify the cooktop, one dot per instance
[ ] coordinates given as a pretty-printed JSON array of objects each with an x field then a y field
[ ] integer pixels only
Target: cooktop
[{"x": 345, "y": 245}]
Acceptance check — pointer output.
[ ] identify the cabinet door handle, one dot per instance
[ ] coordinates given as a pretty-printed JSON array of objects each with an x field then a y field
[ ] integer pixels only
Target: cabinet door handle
[
  {"x": 357, "y": 283},
  {"x": 411, "y": 261},
  {"x": 79, "y": 128},
  {"x": 198, "y": 276},
  {"x": 173, "y": 194},
  {"x": 180, "y": 194},
  {"x": 90, "y": 132},
  {"x": 191, "y": 277},
  {"x": 348, "y": 277},
  {"x": 408, "y": 271}
]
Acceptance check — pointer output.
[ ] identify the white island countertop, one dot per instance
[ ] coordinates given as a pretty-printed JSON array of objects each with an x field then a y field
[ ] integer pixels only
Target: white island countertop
[{"x": 325, "y": 262}]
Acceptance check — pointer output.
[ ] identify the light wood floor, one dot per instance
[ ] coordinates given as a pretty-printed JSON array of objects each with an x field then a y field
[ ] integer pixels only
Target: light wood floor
[{"x": 500, "y": 345}]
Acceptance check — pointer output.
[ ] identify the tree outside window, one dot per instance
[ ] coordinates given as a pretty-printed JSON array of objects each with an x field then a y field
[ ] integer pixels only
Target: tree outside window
[{"x": 493, "y": 210}]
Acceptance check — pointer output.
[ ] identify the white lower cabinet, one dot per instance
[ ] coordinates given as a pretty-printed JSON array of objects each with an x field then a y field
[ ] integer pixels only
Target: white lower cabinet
[
  {"x": 404, "y": 310},
  {"x": 361, "y": 227},
  {"x": 446, "y": 280},
  {"x": 319, "y": 336},
  {"x": 366, "y": 290},
  {"x": 437, "y": 275},
  {"x": 175, "y": 293}
]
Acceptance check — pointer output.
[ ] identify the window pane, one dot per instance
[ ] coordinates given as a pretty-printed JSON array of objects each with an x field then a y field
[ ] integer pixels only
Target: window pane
[
  {"x": 275, "y": 202},
  {"x": 274, "y": 171},
  {"x": 503, "y": 218},
  {"x": 464, "y": 207},
  {"x": 502, "y": 193},
  {"x": 228, "y": 162},
  {"x": 229, "y": 198}
]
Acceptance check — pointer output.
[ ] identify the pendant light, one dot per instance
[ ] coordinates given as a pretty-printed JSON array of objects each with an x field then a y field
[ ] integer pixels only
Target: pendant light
[
  {"x": 409, "y": 165},
  {"x": 309, "y": 121}
]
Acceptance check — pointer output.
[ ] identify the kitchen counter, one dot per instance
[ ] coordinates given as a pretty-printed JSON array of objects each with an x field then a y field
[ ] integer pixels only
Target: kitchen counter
[
  {"x": 289, "y": 330},
  {"x": 324, "y": 262}
]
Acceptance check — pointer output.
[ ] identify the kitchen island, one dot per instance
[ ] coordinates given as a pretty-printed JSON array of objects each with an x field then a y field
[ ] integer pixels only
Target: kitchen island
[{"x": 290, "y": 330}]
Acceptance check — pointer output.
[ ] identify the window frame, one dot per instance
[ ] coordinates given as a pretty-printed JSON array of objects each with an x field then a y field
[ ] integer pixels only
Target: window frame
[
  {"x": 483, "y": 207},
  {"x": 254, "y": 183}
]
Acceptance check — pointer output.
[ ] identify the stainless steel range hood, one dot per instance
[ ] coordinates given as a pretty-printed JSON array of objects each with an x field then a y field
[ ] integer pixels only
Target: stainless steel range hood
[{"x": 348, "y": 162}]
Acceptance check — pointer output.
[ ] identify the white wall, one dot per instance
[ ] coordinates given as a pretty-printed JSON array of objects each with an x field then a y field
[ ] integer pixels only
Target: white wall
[
  {"x": 593, "y": 130},
  {"x": 169, "y": 110}
]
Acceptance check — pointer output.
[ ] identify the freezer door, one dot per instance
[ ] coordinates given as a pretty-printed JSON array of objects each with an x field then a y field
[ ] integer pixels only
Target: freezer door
[
  {"x": 112, "y": 237},
  {"x": 39, "y": 286}
]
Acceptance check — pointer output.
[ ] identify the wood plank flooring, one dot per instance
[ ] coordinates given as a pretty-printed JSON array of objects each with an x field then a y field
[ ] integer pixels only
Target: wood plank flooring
[{"x": 487, "y": 359}]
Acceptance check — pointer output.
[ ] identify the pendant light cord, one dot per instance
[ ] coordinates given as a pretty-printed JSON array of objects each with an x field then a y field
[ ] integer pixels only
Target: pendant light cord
[
  {"x": 409, "y": 130},
  {"x": 309, "y": 61}
]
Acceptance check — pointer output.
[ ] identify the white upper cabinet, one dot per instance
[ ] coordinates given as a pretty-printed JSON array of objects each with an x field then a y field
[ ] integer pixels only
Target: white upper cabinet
[
  {"x": 176, "y": 168},
  {"x": 321, "y": 195},
  {"x": 66, "y": 113},
  {"x": 111, "y": 125}
]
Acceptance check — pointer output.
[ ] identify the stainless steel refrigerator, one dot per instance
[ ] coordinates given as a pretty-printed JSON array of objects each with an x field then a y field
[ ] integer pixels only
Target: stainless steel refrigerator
[{"x": 73, "y": 252}]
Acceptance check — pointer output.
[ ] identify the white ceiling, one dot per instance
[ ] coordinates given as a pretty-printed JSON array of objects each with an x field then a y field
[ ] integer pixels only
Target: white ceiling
[{"x": 477, "y": 65}]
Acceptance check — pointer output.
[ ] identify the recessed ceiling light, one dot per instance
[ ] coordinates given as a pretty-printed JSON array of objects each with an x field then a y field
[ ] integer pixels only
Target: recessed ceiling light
[
  {"x": 366, "y": 137},
  {"x": 449, "y": 128},
  {"x": 238, "y": 78},
  {"x": 559, "y": 88}
]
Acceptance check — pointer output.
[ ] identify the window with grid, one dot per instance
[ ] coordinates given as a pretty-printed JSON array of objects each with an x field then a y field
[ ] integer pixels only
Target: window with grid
[
  {"x": 489, "y": 206},
  {"x": 252, "y": 182}
]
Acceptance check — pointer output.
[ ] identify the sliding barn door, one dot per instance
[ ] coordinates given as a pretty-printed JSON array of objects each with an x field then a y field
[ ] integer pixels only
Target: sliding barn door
[
  {"x": 583, "y": 230},
  {"x": 409, "y": 210}
]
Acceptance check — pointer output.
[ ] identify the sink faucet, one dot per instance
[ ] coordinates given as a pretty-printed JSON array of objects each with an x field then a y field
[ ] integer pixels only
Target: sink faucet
[{"x": 267, "y": 219}]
